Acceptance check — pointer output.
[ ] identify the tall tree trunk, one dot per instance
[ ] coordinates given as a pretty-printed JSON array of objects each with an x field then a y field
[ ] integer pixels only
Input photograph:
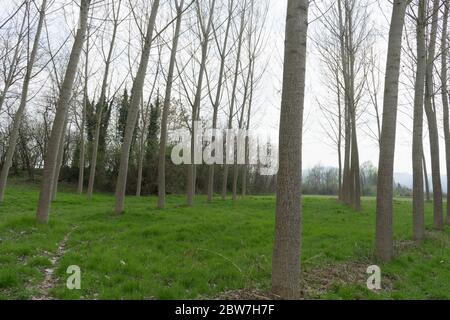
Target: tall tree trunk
[
  {"x": 133, "y": 112},
  {"x": 165, "y": 113},
  {"x": 191, "y": 174},
  {"x": 14, "y": 135},
  {"x": 384, "y": 232},
  {"x": 61, "y": 114},
  {"x": 355, "y": 182},
  {"x": 83, "y": 121},
  {"x": 102, "y": 104},
  {"x": 418, "y": 155},
  {"x": 445, "y": 105},
  {"x": 286, "y": 253},
  {"x": 432, "y": 121},
  {"x": 223, "y": 55},
  {"x": 247, "y": 141},
  {"x": 229, "y": 144},
  {"x": 347, "y": 185},
  {"x": 339, "y": 140},
  {"x": 241, "y": 127}
]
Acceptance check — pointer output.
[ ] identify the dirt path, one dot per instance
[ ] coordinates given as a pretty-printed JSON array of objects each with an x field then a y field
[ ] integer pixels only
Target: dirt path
[{"x": 51, "y": 280}]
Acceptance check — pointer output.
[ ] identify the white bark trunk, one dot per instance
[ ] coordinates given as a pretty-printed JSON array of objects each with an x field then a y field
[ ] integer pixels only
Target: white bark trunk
[{"x": 61, "y": 114}]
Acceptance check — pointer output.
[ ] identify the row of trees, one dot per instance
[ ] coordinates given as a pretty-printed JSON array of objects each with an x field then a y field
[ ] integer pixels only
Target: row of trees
[{"x": 89, "y": 123}]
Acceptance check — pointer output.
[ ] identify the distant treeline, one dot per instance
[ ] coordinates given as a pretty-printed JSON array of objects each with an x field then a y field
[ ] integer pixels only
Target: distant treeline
[
  {"x": 322, "y": 180},
  {"x": 29, "y": 156}
]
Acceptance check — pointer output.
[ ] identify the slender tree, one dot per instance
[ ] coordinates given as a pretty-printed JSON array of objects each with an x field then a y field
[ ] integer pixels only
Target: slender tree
[
  {"x": 133, "y": 111},
  {"x": 205, "y": 31},
  {"x": 248, "y": 121},
  {"x": 255, "y": 44},
  {"x": 444, "y": 91},
  {"x": 165, "y": 113},
  {"x": 418, "y": 177},
  {"x": 352, "y": 33},
  {"x": 102, "y": 102},
  {"x": 241, "y": 119},
  {"x": 431, "y": 113},
  {"x": 83, "y": 119},
  {"x": 233, "y": 95},
  {"x": 216, "y": 104}
]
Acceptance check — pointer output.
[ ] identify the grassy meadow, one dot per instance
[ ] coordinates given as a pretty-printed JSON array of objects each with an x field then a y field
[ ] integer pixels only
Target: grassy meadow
[{"x": 219, "y": 250}]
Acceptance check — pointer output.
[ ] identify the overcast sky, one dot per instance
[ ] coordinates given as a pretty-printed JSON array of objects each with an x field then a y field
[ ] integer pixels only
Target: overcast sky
[{"x": 316, "y": 147}]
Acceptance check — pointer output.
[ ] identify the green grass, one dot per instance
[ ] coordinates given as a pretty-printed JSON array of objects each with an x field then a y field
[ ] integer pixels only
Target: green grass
[{"x": 203, "y": 251}]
